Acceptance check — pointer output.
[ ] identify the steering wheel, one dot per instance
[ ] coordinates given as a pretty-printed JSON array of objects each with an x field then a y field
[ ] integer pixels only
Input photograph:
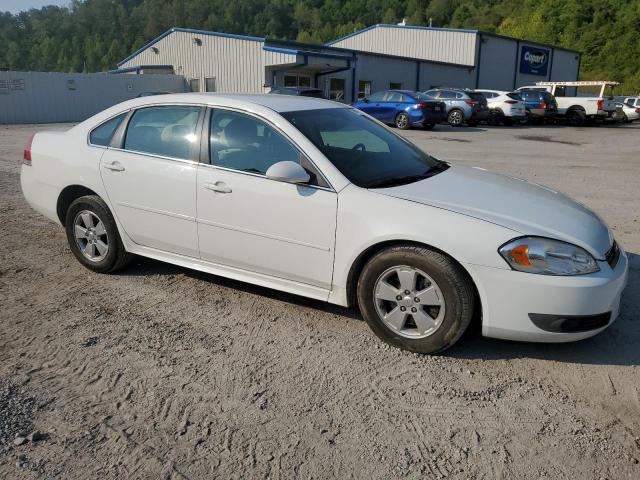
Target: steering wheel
[{"x": 359, "y": 146}]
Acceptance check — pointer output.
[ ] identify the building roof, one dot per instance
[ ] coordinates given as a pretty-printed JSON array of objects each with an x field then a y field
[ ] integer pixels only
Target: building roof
[{"x": 440, "y": 29}]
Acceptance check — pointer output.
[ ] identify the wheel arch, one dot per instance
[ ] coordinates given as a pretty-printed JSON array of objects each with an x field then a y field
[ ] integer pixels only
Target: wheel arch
[
  {"x": 358, "y": 264},
  {"x": 67, "y": 196},
  {"x": 579, "y": 108}
]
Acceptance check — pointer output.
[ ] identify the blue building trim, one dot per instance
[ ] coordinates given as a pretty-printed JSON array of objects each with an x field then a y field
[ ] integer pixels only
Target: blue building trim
[
  {"x": 137, "y": 69},
  {"x": 189, "y": 30}
]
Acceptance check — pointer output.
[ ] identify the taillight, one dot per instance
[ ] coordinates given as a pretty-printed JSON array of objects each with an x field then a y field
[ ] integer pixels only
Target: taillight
[
  {"x": 470, "y": 102},
  {"x": 422, "y": 106},
  {"x": 637, "y": 110},
  {"x": 542, "y": 105},
  {"x": 600, "y": 104},
  {"x": 511, "y": 102},
  {"x": 26, "y": 157}
]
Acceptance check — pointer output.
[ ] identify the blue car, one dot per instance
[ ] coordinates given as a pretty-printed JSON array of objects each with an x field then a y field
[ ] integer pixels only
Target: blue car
[{"x": 403, "y": 108}]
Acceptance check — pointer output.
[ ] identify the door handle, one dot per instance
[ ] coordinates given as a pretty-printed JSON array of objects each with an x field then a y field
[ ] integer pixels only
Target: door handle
[
  {"x": 114, "y": 166},
  {"x": 219, "y": 187}
]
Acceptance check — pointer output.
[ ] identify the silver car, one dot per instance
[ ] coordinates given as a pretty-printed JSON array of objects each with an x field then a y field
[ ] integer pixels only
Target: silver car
[{"x": 463, "y": 106}]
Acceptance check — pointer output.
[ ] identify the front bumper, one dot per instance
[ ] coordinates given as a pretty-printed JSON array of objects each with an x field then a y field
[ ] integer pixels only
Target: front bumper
[{"x": 509, "y": 297}]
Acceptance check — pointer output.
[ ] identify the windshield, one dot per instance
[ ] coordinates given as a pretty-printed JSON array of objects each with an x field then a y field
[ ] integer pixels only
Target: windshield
[{"x": 366, "y": 152}]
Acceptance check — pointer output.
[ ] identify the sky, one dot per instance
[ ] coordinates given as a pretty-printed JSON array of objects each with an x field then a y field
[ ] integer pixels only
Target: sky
[{"x": 15, "y": 6}]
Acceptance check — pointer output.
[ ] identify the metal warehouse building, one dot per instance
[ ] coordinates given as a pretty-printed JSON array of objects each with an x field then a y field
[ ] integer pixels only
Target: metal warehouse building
[{"x": 376, "y": 58}]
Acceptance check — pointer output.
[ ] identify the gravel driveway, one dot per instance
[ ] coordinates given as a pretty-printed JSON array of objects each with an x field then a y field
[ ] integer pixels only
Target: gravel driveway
[{"x": 160, "y": 372}]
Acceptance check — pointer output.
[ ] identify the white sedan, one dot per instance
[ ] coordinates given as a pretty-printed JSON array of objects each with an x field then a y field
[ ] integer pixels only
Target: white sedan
[{"x": 318, "y": 199}]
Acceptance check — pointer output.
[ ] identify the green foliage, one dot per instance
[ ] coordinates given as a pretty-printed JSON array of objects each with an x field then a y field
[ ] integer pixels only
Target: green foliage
[{"x": 93, "y": 35}]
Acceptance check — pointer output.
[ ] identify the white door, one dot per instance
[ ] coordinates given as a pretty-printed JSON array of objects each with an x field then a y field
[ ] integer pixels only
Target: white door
[
  {"x": 248, "y": 221},
  {"x": 151, "y": 181}
]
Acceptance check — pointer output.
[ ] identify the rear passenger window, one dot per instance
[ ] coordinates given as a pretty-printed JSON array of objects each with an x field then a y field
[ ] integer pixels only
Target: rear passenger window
[
  {"x": 167, "y": 131},
  {"x": 103, "y": 134}
]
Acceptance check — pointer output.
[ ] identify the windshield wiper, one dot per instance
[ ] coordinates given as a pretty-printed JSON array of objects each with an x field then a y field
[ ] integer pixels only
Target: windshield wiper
[{"x": 405, "y": 179}]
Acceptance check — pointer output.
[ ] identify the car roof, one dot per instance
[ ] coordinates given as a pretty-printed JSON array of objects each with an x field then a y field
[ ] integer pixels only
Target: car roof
[{"x": 278, "y": 103}]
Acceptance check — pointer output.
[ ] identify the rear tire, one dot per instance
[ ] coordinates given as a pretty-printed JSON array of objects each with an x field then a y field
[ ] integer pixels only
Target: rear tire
[
  {"x": 455, "y": 117},
  {"x": 434, "y": 313},
  {"x": 576, "y": 118},
  {"x": 93, "y": 235},
  {"x": 402, "y": 121}
]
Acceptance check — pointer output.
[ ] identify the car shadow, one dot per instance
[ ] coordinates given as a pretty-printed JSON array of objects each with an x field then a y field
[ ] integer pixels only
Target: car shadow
[{"x": 617, "y": 345}]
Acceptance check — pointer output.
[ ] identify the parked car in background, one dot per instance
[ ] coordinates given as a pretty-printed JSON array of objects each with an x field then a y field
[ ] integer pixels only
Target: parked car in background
[
  {"x": 632, "y": 101},
  {"x": 576, "y": 108},
  {"x": 540, "y": 105},
  {"x": 298, "y": 91},
  {"x": 626, "y": 113},
  {"x": 463, "y": 106},
  {"x": 315, "y": 198},
  {"x": 403, "y": 108},
  {"x": 504, "y": 107}
]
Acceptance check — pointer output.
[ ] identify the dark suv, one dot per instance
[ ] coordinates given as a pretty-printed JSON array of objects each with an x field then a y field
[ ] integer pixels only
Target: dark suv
[{"x": 463, "y": 106}]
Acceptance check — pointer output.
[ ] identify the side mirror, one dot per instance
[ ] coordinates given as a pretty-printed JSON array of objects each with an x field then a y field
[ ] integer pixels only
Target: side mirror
[{"x": 288, "y": 171}]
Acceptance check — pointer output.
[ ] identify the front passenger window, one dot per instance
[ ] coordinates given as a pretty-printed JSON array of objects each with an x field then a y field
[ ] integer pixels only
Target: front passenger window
[{"x": 242, "y": 142}]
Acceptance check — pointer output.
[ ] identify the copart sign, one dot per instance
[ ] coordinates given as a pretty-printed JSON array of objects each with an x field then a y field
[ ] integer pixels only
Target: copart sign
[{"x": 534, "y": 60}]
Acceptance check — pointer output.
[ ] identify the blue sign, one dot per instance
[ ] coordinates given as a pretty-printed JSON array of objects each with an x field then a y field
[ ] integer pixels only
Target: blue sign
[{"x": 534, "y": 60}]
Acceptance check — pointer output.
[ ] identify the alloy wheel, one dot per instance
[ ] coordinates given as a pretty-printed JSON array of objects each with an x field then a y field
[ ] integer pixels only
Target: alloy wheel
[
  {"x": 455, "y": 118},
  {"x": 91, "y": 236},
  {"x": 409, "y": 302}
]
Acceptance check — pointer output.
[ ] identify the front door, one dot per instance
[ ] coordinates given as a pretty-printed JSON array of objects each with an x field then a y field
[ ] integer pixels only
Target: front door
[
  {"x": 248, "y": 221},
  {"x": 151, "y": 180}
]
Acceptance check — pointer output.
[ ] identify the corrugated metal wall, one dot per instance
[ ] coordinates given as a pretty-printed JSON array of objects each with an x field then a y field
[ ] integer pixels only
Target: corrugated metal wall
[
  {"x": 48, "y": 97},
  {"x": 237, "y": 64},
  {"x": 434, "y": 44}
]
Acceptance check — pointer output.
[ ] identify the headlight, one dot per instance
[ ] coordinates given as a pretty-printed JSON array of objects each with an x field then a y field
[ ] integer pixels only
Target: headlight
[{"x": 547, "y": 257}]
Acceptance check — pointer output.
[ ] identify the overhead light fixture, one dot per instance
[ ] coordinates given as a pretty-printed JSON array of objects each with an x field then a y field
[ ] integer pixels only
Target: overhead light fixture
[{"x": 197, "y": 41}]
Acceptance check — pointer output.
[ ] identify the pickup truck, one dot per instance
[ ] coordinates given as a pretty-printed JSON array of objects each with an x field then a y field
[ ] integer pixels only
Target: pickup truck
[{"x": 577, "y": 109}]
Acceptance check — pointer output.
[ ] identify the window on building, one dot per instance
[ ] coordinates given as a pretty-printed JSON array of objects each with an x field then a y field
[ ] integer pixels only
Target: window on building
[
  {"x": 210, "y": 84},
  {"x": 395, "y": 86},
  {"x": 364, "y": 88},
  {"x": 102, "y": 134},
  {"x": 304, "y": 81},
  {"x": 166, "y": 131},
  {"x": 194, "y": 84},
  {"x": 337, "y": 89},
  {"x": 290, "y": 81}
]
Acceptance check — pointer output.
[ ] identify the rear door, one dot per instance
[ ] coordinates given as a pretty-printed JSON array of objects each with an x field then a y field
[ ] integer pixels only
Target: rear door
[{"x": 150, "y": 177}]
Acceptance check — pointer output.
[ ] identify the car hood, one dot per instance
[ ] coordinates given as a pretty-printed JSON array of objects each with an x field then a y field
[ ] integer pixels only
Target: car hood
[{"x": 526, "y": 208}]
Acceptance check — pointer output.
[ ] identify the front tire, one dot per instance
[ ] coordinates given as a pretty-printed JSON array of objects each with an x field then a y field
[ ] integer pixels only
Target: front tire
[
  {"x": 93, "y": 235},
  {"x": 402, "y": 121},
  {"x": 415, "y": 298}
]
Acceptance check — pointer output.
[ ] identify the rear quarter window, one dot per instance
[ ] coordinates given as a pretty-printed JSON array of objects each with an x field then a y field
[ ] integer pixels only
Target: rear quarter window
[{"x": 102, "y": 134}]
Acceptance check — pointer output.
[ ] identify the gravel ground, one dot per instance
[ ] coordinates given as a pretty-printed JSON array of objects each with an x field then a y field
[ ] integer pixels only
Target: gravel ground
[{"x": 160, "y": 372}]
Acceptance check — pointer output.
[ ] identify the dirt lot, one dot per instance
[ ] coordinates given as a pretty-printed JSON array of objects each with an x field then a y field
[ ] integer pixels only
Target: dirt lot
[{"x": 159, "y": 372}]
